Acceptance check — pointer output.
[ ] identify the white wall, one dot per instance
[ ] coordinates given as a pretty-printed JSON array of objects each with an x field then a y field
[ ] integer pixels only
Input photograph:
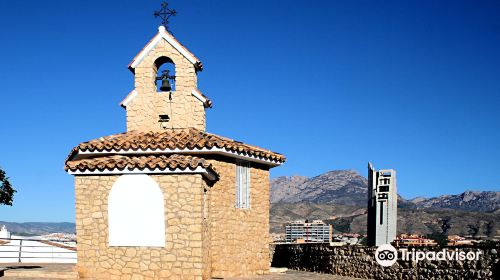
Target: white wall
[
  {"x": 4, "y": 233},
  {"x": 136, "y": 212},
  {"x": 35, "y": 252}
]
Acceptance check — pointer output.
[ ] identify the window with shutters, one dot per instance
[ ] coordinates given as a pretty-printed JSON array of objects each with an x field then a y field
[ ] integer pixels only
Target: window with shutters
[{"x": 243, "y": 185}]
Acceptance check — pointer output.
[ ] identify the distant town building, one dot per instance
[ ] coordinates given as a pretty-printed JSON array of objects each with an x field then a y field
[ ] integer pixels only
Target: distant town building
[
  {"x": 456, "y": 240},
  {"x": 4, "y": 233},
  {"x": 382, "y": 206},
  {"x": 305, "y": 232},
  {"x": 413, "y": 240},
  {"x": 277, "y": 237},
  {"x": 345, "y": 239}
]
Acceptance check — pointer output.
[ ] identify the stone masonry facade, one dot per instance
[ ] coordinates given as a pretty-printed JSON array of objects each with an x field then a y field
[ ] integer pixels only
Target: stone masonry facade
[
  {"x": 239, "y": 237},
  {"x": 206, "y": 235},
  {"x": 184, "y": 109},
  {"x": 181, "y": 258}
]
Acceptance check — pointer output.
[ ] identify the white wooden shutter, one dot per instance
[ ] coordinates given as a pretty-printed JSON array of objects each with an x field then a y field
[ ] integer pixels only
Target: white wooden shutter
[
  {"x": 243, "y": 185},
  {"x": 247, "y": 184},
  {"x": 238, "y": 186}
]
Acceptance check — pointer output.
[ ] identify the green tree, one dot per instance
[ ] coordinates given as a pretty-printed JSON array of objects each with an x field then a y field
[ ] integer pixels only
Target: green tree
[{"x": 6, "y": 190}]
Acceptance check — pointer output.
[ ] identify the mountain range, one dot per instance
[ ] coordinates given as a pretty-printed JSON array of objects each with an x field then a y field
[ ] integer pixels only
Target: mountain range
[
  {"x": 348, "y": 187},
  {"x": 339, "y": 197},
  {"x": 38, "y": 228}
]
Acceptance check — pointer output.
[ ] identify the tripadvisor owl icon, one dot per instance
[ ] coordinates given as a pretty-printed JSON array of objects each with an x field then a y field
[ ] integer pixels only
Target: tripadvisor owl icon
[{"x": 386, "y": 255}]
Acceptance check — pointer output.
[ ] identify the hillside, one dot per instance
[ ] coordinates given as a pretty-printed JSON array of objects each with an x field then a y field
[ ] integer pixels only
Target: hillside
[
  {"x": 477, "y": 201},
  {"x": 353, "y": 219},
  {"x": 339, "y": 198},
  {"x": 338, "y": 186},
  {"x": 35, "y": 228},
  {"x": 348, "y": 187}
]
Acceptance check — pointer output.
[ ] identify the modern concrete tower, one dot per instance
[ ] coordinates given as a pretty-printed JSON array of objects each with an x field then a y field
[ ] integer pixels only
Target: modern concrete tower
[{"x": 382, "y": 206}]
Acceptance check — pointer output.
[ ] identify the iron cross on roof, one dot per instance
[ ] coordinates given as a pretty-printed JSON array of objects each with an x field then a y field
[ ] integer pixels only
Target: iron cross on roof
[{"x": 165, "y": 13}]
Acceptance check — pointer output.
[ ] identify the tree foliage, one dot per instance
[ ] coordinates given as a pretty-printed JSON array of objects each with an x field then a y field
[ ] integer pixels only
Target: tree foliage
[{"x": 6, "y": 190}]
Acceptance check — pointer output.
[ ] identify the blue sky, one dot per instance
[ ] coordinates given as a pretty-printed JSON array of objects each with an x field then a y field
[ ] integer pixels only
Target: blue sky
[{"x": 409, "y": 85}]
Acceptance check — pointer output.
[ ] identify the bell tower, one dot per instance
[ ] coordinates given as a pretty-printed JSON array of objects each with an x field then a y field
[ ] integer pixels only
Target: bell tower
[{"x": 167, "y": 99}]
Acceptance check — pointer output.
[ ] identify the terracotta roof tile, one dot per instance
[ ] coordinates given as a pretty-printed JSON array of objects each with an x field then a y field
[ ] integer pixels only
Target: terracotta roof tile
[
  {"x": 188, "y": 138},
  {"x": 152, "y": 162}
]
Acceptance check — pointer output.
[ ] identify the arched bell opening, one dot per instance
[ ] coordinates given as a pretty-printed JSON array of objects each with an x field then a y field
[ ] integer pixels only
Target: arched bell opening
[{"x": 165, "y": 74}]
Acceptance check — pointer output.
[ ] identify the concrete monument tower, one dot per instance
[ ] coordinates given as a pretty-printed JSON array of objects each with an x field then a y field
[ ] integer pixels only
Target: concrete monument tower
[{"x": 382, "y": 206}]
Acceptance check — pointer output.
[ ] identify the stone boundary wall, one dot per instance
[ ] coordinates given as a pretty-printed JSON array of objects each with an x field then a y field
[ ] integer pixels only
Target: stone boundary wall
[{"x": 359, "y": 261}]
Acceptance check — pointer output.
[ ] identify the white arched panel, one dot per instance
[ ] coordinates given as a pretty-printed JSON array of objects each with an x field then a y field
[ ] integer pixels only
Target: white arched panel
[{"x": 136, "y": 212}]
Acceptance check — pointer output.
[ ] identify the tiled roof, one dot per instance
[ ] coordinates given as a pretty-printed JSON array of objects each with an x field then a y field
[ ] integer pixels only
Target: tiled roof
[
  {"x": 152, "y": 162},
  {"x": 174, "y": 140}
]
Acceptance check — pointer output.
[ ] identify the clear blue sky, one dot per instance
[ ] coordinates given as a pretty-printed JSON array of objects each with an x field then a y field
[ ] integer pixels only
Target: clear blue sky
[{"x": 409, "y": 85}]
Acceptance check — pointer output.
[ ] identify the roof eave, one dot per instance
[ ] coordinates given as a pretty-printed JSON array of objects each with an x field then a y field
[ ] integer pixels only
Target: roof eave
[
  {"x": 207, "y": 151},
  {"x": 208, "y": 173},
  {"x": 162, "y": 33}
]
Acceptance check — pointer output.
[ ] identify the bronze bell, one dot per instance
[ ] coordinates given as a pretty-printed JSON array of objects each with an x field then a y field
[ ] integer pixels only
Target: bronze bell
[{"x": 165, "y": 84}]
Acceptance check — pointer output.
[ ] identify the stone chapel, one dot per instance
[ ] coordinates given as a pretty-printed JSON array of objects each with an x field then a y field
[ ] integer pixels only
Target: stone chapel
[{"x": 166, "y": 199}]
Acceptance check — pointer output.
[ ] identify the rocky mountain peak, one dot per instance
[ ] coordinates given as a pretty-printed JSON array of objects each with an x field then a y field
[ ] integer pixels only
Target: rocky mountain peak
[
  {"x": 348, "y": 187},
  {"x": 337, "y": 186},
  {"x": 339, "y": 197}
]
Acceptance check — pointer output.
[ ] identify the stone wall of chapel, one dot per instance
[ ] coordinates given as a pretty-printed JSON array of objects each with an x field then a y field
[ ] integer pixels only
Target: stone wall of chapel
[
  {"x": 181, "y": 258},
  {"x": 239, "y": 238}
]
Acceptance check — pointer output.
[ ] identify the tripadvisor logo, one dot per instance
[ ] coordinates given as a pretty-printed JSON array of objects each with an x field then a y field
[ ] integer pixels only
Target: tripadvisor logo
[{"x": 387, "y": 255}]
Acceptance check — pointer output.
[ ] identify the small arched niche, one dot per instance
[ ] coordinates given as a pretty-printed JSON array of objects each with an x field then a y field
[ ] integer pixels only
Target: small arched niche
[
  {"x": 161, "y": 65},
  {"x": 136, "y": 212}
]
